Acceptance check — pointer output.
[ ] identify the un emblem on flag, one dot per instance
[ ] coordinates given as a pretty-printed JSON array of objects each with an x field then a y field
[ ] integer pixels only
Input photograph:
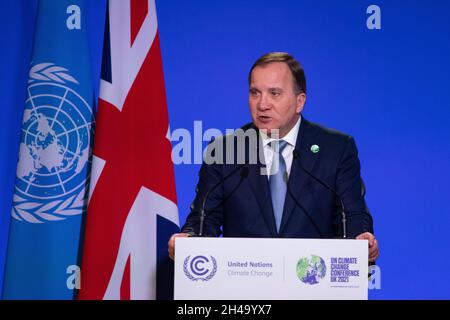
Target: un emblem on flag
[{"x": 56, "y": 141}]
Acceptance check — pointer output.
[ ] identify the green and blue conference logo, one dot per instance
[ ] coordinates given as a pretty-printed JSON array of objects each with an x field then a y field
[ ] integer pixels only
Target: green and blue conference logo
[{"x": 311, "y": 270}]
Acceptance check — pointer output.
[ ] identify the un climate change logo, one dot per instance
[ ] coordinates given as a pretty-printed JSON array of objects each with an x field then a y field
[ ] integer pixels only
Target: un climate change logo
[
  {"x": 53, "y": 169},
  {"x": 311, "y": 270},
  {"x": 200, "y": 268}
]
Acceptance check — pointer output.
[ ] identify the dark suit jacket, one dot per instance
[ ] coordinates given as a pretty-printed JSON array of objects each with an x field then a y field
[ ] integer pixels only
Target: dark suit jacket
[{"x": 241, "y": 205}]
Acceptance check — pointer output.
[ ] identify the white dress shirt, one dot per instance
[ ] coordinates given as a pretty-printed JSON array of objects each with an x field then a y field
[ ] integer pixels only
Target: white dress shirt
[{"x": 290, "y": 138}]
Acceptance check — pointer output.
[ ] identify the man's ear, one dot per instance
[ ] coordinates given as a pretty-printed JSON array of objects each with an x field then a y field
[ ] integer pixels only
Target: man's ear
[{"x": 301, "y": 100}]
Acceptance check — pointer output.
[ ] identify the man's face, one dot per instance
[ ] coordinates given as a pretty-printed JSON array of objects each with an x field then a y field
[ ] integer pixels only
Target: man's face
[{"x": 272, "y": 98}]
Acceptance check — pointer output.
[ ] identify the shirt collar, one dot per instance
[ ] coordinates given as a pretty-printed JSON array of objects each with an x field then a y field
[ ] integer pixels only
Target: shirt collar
[{"x": 290, "y": 138}]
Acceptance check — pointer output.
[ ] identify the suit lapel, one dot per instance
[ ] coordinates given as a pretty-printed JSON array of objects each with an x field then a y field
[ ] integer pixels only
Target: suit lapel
[
  {"x": 260, "y": 186},
  {"x": 298, "y": 178}
]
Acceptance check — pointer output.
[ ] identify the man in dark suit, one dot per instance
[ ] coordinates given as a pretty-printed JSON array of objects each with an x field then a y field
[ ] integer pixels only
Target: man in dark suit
[{"x": 303, "y": 178}]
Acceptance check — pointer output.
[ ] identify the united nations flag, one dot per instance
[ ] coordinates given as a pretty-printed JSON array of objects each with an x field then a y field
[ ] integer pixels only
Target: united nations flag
[{"x": 50, "y": 195}]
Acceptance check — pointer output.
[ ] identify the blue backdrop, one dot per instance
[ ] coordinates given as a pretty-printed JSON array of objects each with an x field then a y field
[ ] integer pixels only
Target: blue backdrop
[{"x": 388, "y": 88}]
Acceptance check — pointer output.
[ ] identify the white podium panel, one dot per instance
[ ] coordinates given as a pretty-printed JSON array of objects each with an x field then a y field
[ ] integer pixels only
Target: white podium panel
[{"x": 272, "y": 269}]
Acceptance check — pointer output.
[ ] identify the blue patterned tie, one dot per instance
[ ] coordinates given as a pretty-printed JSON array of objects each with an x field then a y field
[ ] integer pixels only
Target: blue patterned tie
[{"x": 278, "y": 184}]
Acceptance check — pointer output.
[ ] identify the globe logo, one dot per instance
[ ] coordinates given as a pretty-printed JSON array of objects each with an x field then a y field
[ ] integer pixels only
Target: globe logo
[
  {"x": 200, "y": 268},
  {"x": 53, "y": 168},
  {"x": 311, "y": 270}
]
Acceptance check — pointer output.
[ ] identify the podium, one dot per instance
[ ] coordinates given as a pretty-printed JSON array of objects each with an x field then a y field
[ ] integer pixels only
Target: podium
[{"x": 270, "y": 269}]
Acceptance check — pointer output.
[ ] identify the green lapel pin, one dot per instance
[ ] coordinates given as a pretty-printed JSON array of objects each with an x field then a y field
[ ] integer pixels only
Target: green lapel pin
[{"x": 315, "y": 148}]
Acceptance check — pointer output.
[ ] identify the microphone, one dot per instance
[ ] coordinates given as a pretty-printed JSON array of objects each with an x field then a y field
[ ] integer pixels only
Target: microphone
[
  {"x": 326, "y": 186},
  {"x": 244, "y": 173},
  {"x": 286, "y": 179}
]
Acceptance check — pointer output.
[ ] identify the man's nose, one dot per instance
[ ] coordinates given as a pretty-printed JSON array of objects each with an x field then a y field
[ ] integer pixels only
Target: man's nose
[{"x": 264, "y": 102}]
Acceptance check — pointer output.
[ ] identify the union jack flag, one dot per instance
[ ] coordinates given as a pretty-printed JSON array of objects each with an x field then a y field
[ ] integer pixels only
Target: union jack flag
[{"x": 132, "y": 205}]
